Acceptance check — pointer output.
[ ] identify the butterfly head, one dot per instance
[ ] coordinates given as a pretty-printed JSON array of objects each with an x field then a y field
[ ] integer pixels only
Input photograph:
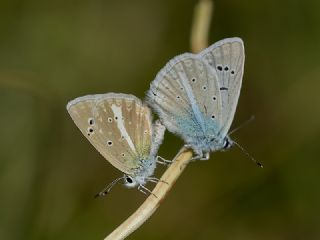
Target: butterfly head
[
  {"x": 139, "y": 177},
  {"x": 134, "y": 181},
  {"x": 222, "y": 144}
]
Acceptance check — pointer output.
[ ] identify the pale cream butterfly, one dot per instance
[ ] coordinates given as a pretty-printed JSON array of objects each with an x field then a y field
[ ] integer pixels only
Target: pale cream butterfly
[{"x": 120, "y": 127}]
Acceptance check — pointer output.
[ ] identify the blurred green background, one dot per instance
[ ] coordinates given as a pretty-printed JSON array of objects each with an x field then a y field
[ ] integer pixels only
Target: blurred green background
[{"x": 54, "y": 51}]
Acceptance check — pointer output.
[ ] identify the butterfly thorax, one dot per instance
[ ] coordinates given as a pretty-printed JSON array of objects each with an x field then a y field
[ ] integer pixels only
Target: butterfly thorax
[{"x": 145, "y": 170}]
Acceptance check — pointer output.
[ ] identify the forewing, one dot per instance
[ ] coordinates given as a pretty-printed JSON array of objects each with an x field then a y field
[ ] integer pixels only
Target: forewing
[
  {"x": 117, "y": 125},
  {"x": 226, "y": 58}
]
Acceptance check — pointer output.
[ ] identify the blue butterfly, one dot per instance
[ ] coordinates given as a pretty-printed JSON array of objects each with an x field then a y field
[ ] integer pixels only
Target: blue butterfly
[{"x": 196, "y": 95}]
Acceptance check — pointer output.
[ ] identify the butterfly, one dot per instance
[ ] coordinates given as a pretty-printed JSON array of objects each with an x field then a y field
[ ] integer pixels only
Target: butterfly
[
  {"x": 120, "y": 127},
  {"x": 196, "y": 95}
]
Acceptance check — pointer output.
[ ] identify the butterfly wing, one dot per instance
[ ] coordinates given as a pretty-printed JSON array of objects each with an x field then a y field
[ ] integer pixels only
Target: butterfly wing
[
  {"x": 186, "y": 96},
  {"x": 117, "y": 125},
  {"x": 158, "y": 130},
  {"x": 226, "y": 58}
]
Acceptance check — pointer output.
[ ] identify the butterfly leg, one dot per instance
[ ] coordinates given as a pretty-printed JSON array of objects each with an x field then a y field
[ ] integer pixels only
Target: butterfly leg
[
  {"x": 189, "y": 146},
  {"x": 143, "y": 189},
  {"x": 156, "y": 180},
  {"x": 197, "y": 157},
  {"x": 198, "y": 153},
  {"x": 163, "y": 161},
  {"x": 203, "y": 156},
  {"x": 206, "y": 156}
]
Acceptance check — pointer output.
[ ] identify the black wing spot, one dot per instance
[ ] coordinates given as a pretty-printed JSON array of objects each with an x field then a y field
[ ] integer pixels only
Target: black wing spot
[
  {"x": 123, "y": 155},
  {"x": 193, "y": 80},
  {"x": 91, "y": 121},
  {"x": 116, "y": 117},
  {"x": 226, "y": 68},
  {"x": 110, "y": 143},
  {"x": 204, "y": 87},
  {"x": 109, "y": 119},
  {"x": 232, "y": 72},
  {"x": 214, "y": 98},
  {"x": 90, "y": 130},
  {"x": 178, "y": 97},
  {"x": 213, "y": 116},
  {"x": 219, "y": 67},
  {"x": 223, "y": 88}
]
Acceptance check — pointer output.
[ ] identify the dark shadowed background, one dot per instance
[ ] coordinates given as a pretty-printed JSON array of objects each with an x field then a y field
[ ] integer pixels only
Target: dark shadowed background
[{"x": 54, "y": 51}]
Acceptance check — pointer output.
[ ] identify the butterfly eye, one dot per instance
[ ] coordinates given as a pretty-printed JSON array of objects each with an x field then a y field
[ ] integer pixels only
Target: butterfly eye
[
  {"x": 226, "y": 144},
  {"x": 129, "y": 179}
]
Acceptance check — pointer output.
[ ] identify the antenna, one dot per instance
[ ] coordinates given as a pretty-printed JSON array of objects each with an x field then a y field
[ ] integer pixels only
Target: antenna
[
  {"x": 242, "y": 125},
  {"x": 248, "y": 155},
  {"x": 107, "y": 189}
]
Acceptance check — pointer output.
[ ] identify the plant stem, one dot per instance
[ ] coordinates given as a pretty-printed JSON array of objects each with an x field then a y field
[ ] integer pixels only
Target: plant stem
[{"x": 201, "y": 25}]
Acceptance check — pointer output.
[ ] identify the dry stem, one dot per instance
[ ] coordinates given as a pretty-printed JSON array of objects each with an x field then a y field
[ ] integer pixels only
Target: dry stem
[{"x": 201, "y": 25}]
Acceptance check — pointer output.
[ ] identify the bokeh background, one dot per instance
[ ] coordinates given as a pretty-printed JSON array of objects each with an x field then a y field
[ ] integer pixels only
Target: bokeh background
[{"x": 54, "y": 51}]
